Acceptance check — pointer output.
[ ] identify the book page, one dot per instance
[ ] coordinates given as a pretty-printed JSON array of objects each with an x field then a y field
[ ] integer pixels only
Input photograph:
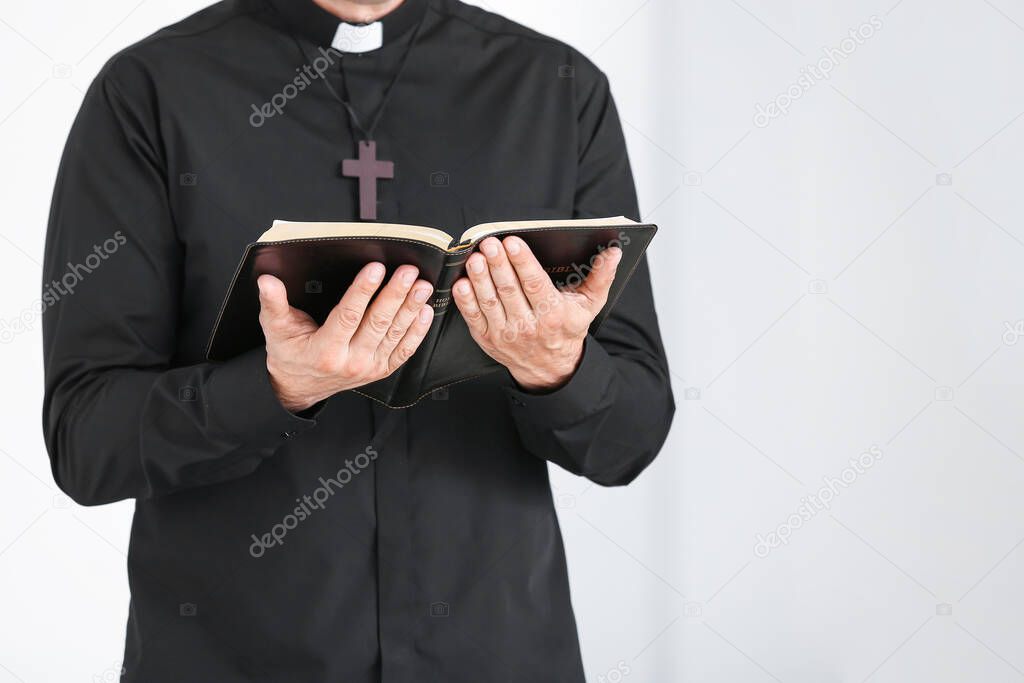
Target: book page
[
  {"x": 485, "y": 229},
  {"x": 298, "y": 230}
]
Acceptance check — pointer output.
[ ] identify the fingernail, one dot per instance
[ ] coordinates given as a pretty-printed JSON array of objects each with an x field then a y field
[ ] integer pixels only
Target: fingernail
[
  {"x": 489, "y": 248},
  {"x": 462, "y": 287},
  {"x": 375, "y": 273},
  {"x": 409, "y": 276},
  {"x": 426, "y": 313},
  {"x": 420, "y": 295},
  {"x": 512, "y": 245},
  {"x": 476, "y": 265}
]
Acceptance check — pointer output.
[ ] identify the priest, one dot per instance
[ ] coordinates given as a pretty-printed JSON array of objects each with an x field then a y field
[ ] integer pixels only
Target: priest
[{"x": 288, "y": 529}]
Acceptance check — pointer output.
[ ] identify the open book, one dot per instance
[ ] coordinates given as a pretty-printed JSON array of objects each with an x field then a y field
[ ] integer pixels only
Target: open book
[{"x": 318, "y": 261}]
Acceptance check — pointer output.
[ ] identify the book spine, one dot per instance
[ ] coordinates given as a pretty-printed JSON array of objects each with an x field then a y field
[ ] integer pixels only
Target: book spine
[{"x": 443, "y": 305}]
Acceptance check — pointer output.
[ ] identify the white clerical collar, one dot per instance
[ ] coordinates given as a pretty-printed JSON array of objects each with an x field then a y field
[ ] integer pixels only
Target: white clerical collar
[{"x": 358, "y": 37}]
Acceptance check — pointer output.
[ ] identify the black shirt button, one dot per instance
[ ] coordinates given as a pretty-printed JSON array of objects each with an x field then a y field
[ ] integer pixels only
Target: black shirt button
[
  {"x": 516, "y": 402},
  {"x": 289, "y": 434}
]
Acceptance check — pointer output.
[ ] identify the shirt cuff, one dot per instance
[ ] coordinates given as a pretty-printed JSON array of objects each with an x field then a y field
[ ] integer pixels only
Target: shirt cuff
[
  {"x": 245, "y": 406},
  {"x": 586, "y": 392}
]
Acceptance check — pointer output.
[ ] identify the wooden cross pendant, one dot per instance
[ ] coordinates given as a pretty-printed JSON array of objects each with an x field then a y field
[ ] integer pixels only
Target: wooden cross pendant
[{"x": 368, "y": 169}]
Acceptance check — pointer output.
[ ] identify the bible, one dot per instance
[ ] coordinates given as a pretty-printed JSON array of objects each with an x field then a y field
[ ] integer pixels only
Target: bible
[{"x": 318, "y": 261}]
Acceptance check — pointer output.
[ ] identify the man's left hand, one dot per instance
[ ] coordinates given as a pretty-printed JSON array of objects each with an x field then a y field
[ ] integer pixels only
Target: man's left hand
[{"x": 520, "y": 319}]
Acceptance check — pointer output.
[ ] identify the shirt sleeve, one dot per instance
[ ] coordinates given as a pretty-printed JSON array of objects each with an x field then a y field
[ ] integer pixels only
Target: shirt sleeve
[
  {"x": 120, "y": 418},
  {"x": 612, "y": 417}
]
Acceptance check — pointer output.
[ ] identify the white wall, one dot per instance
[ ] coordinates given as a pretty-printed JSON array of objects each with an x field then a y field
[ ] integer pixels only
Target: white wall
[{"x": 823, "y": 290}]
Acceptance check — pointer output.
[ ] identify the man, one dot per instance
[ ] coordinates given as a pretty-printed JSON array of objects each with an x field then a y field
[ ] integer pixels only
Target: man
[{"x": 287, "y": 529}]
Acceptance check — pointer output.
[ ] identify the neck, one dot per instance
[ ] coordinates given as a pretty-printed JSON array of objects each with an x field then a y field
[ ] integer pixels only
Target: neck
[{"x": 358, "y": 11}]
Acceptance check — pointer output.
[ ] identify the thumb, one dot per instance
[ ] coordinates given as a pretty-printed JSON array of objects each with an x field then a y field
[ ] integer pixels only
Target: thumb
[
  {"x": 273, "y": 299},
  {"x": 599, "y": 280}
]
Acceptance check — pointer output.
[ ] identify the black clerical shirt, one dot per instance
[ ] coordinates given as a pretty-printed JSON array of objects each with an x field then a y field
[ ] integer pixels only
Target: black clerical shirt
[{"x": 354, "y": 543}]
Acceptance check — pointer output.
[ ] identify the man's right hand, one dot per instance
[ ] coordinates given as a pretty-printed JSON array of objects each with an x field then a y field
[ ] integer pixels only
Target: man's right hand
[{"x": 355, "y": 346}]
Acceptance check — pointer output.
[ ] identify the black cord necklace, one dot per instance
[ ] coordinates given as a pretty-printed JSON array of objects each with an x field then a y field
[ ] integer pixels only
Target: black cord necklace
[{"x": 367, "y": 167}]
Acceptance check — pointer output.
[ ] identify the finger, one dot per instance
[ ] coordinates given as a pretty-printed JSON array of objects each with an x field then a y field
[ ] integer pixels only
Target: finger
[
  {"x": 273, "y": 298},
  {"x": 279, "y": 320},
  {"x": 412, "y": 305},
  {"x": 275, "y": 312},
  {"x": 344, "y": 318},
  {"x": 535, "y": 282},
  {"x": 506, "y": 282},
  {"x": 469, "y": 307},
  {"x": 412, "y": 339},
  {"x": 483, "y": 289},
  {"x": 599, "y": 280},
  {"x": 381, "y": 314}
]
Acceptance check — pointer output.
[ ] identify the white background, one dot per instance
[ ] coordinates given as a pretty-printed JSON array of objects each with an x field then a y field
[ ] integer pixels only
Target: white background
[{"x": 823, "y": 288}]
